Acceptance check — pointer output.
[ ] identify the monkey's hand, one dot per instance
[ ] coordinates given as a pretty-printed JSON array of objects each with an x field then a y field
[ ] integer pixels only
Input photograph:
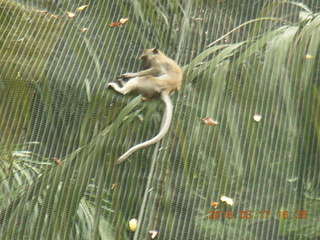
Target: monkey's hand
[
  {"x": 127, "y": 75},
  {"x": 112, "y": 85}
]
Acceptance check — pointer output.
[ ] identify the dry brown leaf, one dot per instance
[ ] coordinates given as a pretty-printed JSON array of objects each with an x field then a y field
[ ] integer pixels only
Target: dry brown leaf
[
  {"x": 214, "y": 204},
  {"x": 57, "y": 160},
  {"x": 71, "y": 14},
  {"x": 119, "y": 23},
  {"x": 79, "y": 9},
  {"x": 209, "y": 121},
  {"x": 114, "y": 24}
]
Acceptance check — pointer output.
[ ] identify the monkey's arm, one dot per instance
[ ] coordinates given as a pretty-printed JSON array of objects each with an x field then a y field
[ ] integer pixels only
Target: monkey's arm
[
  {"x": 167, "y": 116},
  {"x": 154, "y": 71}
]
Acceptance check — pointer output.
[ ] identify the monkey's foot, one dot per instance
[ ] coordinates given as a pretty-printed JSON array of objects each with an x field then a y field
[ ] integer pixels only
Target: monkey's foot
[
  {"x": 111, "y": 85},
  {"x": 145, "y": 98}
]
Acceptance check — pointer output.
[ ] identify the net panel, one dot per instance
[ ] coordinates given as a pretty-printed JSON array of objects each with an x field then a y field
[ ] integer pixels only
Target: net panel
[{"x": 240, "y": 161}]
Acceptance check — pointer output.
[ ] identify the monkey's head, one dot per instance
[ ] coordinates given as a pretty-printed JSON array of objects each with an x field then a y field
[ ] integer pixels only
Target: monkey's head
[{"x": 148, "y": 56}]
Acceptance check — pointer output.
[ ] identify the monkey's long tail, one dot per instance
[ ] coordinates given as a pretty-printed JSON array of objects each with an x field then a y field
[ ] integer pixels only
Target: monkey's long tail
[{"x": 164, "y": 129}]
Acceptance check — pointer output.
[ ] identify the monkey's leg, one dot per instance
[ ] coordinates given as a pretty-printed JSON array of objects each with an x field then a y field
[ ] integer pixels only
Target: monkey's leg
[
  {"x": 121, "y": 82},
  {"x": 128, "y": 86}
]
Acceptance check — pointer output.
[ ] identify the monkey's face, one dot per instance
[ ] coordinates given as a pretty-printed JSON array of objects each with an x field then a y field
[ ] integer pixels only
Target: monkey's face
[
  {"x": 145, "y": 61},
  {"x": 148, "y": 55}
]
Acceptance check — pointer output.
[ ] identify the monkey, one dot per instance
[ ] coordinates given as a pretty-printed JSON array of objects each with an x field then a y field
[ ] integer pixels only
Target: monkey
[{"x": 161, "y": 76}]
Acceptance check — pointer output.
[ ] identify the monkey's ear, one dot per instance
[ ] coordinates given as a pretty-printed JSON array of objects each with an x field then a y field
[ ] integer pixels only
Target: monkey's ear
[{"x": 155, "y": 51}]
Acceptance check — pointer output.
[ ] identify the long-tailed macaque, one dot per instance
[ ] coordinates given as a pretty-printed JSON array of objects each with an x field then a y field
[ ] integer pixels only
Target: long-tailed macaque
[{"x": 161, "y": 76}]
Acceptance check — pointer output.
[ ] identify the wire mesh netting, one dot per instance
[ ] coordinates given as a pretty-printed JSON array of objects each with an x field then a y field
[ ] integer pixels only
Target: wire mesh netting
[{"x": 241, "y": 159}]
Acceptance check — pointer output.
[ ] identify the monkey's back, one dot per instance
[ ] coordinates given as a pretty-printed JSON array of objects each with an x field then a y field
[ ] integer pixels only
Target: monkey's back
[{"x": 171, "y": 73}]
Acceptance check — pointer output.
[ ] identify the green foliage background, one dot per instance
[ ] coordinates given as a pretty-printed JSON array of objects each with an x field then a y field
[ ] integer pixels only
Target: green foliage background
[{"x": 240, "y": 58}]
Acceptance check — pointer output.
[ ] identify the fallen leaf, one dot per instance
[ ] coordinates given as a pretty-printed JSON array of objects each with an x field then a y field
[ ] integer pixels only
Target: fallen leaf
[
  {"x": 79, "y": 9},
  {"x": 119, "y": 23},
  {"x": 228, "y": 200},
  {"x": 71, "y": 14},
  {"x": 153, "y": 234},
  {"x": 133, "y": 224},
  {"x": 43, "y": 11},
  {"x": 209, "y": 121},
  {"x": 57, "y": 160},
  {"x": 257, "y": 117},
  {"x": 215, "y": 204},
  {"x": 114, "y": 24},
  {"x": 53, "y": 16},
  {"x": 308, "y": 56},
  {"x": 123, "y": 20},
  {"x": 46, "y": 12}
]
